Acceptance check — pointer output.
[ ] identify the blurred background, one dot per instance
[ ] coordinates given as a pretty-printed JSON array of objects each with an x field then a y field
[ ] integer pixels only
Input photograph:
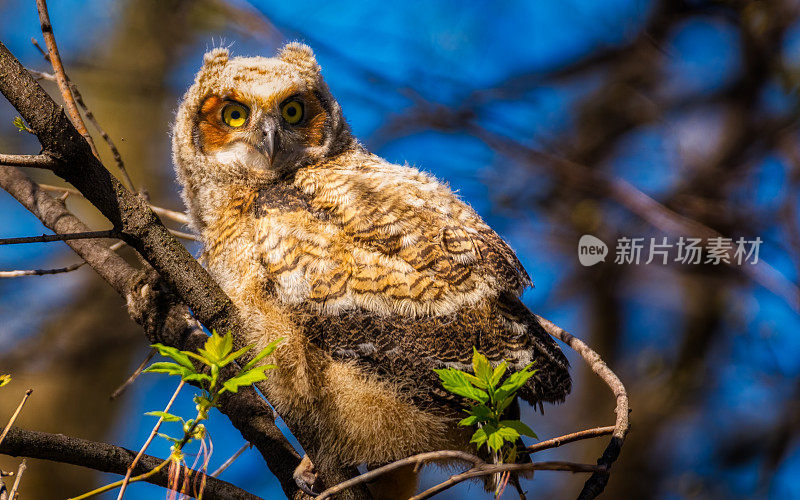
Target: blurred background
[{"x": 554, "y": 119}]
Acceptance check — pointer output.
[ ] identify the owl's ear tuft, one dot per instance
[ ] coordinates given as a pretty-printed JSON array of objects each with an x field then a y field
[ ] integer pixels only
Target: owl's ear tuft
[
  {"x": 301, "y": 56},
  {"x": 216, "y": 56}
]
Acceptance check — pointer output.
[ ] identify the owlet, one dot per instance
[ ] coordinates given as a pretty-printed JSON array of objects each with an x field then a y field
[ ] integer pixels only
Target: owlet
[{"x": 384, "y": 271}]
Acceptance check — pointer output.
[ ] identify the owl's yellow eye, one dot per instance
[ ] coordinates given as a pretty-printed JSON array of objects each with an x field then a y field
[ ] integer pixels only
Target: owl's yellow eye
[
  {"x": 234, "y": 115},
  {"x": 292, "y": 112}
]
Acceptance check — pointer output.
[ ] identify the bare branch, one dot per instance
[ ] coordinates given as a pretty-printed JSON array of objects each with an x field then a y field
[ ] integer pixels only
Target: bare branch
[
  {"x": 15, "y": 415},
  {"x": 48, "y": 238},
  {"x": 569, "y": 438},
  {"x": 58, "y": 270},
  {"x": 41, "y": 272},
  {"x": 147, "y": 443},
  {"x": 134, "y": 375},
  {"x": 20, "y": 471},
  {"x": 184, "y": 236},
  {"x": 489, "y": 469},
  {"x": 106, "y": 458},
  {"x": 597, "y": 482},
  {"x": 40, "y": 75},
  {"x": 61, "y": 76},
  {"x": 32, "y": 161},
  {"x": 232, "y": 459},
  {"x": 416, "y": 460},
  {"x": 179, "y": 217}
]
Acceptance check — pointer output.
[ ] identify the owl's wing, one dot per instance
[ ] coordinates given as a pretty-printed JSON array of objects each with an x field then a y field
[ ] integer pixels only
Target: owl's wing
[{"x": 403, "y": 243}]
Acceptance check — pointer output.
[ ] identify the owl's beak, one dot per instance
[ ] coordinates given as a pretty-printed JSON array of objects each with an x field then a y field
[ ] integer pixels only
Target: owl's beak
[{"x": 267, "y": 144}]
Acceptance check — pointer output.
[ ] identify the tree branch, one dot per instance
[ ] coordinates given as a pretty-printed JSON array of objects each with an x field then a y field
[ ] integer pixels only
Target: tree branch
[
  {"x": 47, "y": 238},
  {"x": 61, "y": 76},
  {"x": 106, "y": 458},
  {"x": 569, "y": 438},
  {"x": 597, "y": 482},
  {"x": 164, "y": 320},
  {"x": 32, "y": 161}
]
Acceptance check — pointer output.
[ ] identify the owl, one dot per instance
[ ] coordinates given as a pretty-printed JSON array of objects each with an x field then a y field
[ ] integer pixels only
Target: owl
[{"x": 385, "y": 273}]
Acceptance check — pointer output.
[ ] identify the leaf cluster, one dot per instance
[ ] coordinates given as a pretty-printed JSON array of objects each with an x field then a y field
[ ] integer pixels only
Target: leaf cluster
[
  {"x": 203, "y": 368},
  {"x": 490, "y": 395}
]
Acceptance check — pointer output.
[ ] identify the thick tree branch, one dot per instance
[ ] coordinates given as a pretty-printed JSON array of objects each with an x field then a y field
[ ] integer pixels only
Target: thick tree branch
[
  {"x": 106, "y": 458},
  {"x": 164, "y": 320}
]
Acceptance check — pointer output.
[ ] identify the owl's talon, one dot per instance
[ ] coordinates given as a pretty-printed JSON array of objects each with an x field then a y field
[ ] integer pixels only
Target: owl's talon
[{"x": 305, "y": 476}]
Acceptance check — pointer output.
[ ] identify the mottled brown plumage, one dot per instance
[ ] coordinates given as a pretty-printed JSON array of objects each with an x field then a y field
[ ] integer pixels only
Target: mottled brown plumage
[{"x": 386, "y": 273}]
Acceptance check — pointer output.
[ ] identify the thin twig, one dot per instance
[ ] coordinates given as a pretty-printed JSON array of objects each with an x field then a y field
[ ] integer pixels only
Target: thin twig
[
  {"x": 41, "y": 75},
  {"x": 16, "y": 414},
  {"x": 489, "y": 469},
  {"x": 58, "y": 270},
  {"x": 415, "y": 460},
  {"x": 47, "y": 238},
  {"x": 147, "y": 443},
  {"x": 185, "y": 236},
  {"x": 568, "y": 438},
  {"x": 31, "y": 161},
  {"x": 179, "y": 217},
  {"x": 173, "y": 215},
  {"x": 61, "y": 76},
  {"x": 41, "y": 272},
  {"x": 20, "y": 471},
  {"x": 134, "y": 375},
  {"x": 230, "y": 461},
  {"x": 597, "y": 482},
  {"x": 123, "y": 482}
]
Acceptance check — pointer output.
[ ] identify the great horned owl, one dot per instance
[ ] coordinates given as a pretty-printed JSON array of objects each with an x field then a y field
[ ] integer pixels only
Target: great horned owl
[{"x": 384, "y": 271}]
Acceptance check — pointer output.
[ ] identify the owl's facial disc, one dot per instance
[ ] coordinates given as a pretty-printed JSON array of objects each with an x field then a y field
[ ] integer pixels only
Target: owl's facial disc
[{"x": 276, "y": 132}]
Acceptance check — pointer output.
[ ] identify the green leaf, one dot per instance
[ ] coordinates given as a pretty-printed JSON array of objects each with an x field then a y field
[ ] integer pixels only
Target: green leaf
[
  {"x": 168, "y": 368},
  {"x": 263, "y": 354},
  {"x": 479, "y": 438},
  {"x": 481, "y": 411},
  {"x": 169, "y": 438},
  {"x": 166, "y": 417},
  {"x": 493, "y": 440},
  {"x": 507, "y": 433},
  {"x": 498, "y": 373},
  {"x": 4, "y": 379},
  {"x": 234, "y": 355},
  {"x": 521, "y": 428},
  {"x": 21, "y": 126},
  {"x": 475, "y": 381},
  {"x": 203, "y": 359},
  {"x": 246, "y": 378},
  {"x": 503, "y": 404},
  {"x": 516, "y": 380},
  {"x": 481, "y": 366},
  {"x": 197, "y": 377},
  {"x": 468, "y": 421},
  {"x": 456, "y": 382},
  {"x": 180, "y": 357},
  {"x": 217, "y": 347}
]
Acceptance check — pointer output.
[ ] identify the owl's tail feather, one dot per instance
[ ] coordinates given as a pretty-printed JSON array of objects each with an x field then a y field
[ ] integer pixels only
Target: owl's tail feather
[{"x": 551, "y": 381}]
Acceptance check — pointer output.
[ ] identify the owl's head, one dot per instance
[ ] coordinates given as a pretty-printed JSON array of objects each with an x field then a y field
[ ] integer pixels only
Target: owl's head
[{"x": 256, "y": 119}]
